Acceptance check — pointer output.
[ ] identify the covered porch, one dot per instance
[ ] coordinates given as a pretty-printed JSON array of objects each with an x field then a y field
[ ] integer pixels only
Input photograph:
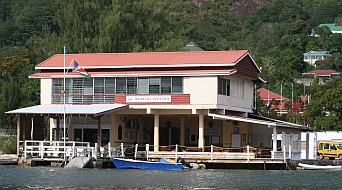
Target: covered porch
[{"x": 195, "y": 135}]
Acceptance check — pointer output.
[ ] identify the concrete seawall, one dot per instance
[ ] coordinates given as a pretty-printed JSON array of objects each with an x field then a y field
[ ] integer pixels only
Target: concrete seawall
[{"x": 8, "y": 159}]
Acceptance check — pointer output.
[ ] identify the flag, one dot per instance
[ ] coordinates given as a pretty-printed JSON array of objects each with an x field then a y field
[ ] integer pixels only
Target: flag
[{"x": 80, "y": 70}]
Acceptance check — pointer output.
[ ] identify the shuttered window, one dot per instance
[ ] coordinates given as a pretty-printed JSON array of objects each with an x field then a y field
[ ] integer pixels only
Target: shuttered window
[
  {"x": 154, "y": 85},
  {"x": 143, "y": 86},
  {"x": 223, "y": 86},
  {"x": 177, "y": 85},
  {"x": 131, "y": 85},
  {"x": 166, "y": 85},
  {"x": 121, "y": 85}
]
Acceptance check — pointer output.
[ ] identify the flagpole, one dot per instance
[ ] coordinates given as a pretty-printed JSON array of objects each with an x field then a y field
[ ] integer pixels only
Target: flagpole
[
  {"x": 281, "y": 97},
  {"x": 64, "y": 51}
]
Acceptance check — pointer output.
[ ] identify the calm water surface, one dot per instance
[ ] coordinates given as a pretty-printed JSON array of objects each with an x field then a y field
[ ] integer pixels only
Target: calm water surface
[{"x": 17, "y": 177}]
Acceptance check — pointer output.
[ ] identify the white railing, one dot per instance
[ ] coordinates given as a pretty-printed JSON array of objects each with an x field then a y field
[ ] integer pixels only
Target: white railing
[
  {"x": 56, "y": 149},
  {"x": 210, "y": 153}
]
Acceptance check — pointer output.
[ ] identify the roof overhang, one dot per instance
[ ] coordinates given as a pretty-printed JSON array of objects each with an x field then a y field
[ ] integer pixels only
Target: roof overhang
[
  {"x": 215, "y": 72},
  {"x": 242, "y": 119},
  {"x": 269, "y": 122},
  {"x": 57, "y": 109}
]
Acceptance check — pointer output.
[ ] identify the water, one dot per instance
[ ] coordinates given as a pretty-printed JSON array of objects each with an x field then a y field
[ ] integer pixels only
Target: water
[{"x": 17, "y": 177}]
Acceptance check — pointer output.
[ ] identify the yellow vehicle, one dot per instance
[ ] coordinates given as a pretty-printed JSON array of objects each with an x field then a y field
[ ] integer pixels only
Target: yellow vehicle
[{"x": 329, "y": 149}]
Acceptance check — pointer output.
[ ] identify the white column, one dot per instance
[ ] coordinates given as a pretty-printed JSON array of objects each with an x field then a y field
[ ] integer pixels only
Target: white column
[
  {"x": 18, "y": 134},
  {"x": 291, "y": 145},
  {"x": 201, "y": 131},
  {"x": 156, "y": 133},
  {"x": 283, "y": 138},
  {"x": 274, "y": 146},
  {"x": 32, "y": 128},
  {"x": 182, "y": 131}
]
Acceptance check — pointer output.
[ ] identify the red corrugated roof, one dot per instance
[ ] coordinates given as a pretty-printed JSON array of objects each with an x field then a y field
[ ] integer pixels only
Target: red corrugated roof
[
  {"x": 266, "y": 94},
  {"x": 323, "y": 72},
  {"x": 93, "y": 60}
]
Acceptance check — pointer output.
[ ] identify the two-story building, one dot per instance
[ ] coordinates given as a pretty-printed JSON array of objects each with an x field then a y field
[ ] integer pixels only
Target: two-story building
[
  {"x": 312, "y": 56},
  {"x": 195, "y": 99},
  {"x": 323, "y": 76}
]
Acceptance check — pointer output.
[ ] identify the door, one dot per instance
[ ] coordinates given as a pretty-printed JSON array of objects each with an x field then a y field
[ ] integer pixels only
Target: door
[
  {"x": 236, "y": 140},
  {"x": 90, "y": 135}
]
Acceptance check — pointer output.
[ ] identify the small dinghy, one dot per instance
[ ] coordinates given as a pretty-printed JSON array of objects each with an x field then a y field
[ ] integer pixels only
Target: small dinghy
[{"x": 319, "y": 167}]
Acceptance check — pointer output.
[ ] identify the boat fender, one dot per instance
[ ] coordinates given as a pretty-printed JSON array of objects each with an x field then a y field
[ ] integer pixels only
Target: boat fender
[
  {"x": 202, "y": 166},
  {"x": 181, "y": 160}
]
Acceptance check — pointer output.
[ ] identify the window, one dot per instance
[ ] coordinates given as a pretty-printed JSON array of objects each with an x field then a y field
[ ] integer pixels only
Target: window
[
  {"x": 83, "y": 90},
  {"x": 332, "y": 147},
  {"x": 177, "y": 85},
  {"x": 88, "y": 90},
  {"x": 166, "y": 85},
  {"x": 326, "y": 146},
  {"x": 57, "y": 89},
  {"x": 99, "y": 89},
  {"x": 237, "y": 89},
  {"x": 131, "y": 85},
  {"x": 224, "y": 86},
  {"x": 121, "y": 85},
  {"x": 154, "y": 85},
  {"x": 143, "y": 86},
  {"x": 109, "y": 89}
]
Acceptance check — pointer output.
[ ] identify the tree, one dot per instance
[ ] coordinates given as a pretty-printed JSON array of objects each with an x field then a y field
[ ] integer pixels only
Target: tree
[
  {"x": 137, "y": 26},
  {"x": 11, "y": 98},
  {"x": 325, "y": 107},
  {"x": 13, "y": 66}
]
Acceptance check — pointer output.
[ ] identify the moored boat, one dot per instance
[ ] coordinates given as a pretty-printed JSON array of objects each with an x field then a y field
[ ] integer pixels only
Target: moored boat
[
  {"x": 122, "y": 163},
  {"x": 319, "y": 167}
]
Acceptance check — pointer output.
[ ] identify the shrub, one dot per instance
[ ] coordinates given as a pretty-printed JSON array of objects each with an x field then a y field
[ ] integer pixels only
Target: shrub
[{"x": 8, "y": 145}]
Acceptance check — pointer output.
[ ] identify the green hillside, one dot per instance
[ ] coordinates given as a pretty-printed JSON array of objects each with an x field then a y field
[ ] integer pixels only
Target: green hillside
[{"x": 276, "y": 32}]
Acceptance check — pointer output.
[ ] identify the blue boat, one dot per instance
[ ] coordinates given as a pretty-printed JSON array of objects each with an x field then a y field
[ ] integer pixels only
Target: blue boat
[{"x": 122, "y": 163}]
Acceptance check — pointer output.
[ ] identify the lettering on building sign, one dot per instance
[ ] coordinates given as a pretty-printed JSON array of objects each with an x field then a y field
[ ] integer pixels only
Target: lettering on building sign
[{"x": 148, "y": 99}]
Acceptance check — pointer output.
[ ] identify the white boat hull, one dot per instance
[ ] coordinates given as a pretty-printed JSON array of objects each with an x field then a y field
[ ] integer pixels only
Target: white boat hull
[{"x": 319, "y": 167}]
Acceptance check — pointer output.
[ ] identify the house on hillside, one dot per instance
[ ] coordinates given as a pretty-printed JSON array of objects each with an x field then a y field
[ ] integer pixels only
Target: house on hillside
[
  {"x": 312, "y": 56},
  {"x": 335, "y": 29},
  {"x": 278, "y": 102},
  {"x": 194, "y": 99},
  {"x": 323, "y": 75},
  {"x": 192, "y": 46}
]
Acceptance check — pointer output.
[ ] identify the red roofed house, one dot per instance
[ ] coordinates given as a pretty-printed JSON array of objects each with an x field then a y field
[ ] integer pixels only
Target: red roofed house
[
  {"x": 277, "y": 101},
  {"x": 193, "y": 99},
  {"x": 323, "y": 75}
]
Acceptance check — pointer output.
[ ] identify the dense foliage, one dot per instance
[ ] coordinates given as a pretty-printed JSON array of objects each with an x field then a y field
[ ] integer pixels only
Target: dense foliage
[{"x": 276, "y": 32}]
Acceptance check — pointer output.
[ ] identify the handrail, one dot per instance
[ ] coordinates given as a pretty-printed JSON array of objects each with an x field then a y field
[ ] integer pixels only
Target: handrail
[{"x": 55, "y": 149}]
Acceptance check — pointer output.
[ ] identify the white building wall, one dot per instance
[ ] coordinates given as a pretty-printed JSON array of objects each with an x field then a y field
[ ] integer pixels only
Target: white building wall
[
  {"x": 329, "y": 135},
  {"x": 202, "y": 90},
  {"x": 310, "y": 140},
  {"x": 241, "y": 97},
  {"x": 309, "y": 143},
  {"x": 45, "y": 91}
]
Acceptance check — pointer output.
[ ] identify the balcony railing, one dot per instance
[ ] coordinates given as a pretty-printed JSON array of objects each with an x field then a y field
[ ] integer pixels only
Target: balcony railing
[
  {"x": 119, "y": 98},
  {"x": 83, "y": 98}
]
